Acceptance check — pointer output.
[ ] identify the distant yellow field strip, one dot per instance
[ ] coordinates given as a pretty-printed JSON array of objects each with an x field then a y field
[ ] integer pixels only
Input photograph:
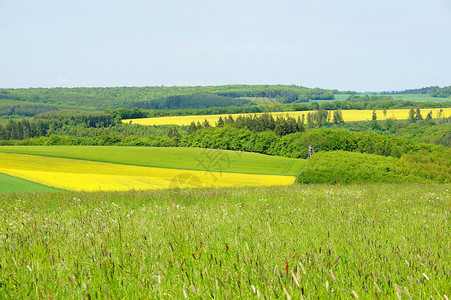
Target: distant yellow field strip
[
  {"x": 348, "y": 116},
  {"x": 83, "y": 175}
]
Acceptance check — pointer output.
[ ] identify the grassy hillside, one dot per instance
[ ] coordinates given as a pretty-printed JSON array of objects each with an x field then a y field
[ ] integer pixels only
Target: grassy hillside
[
  {"x": 78, "y": 175},
  {"x": 175, "y": 158},
  {"x": 125, "y": 168},
  {"x": 421, "y": 98},
  {"x": 9, "y": 184},
  {"x": 320, "y": 241}
]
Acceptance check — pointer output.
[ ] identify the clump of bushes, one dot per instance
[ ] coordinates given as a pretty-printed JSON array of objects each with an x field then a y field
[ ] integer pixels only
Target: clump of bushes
[{"x": 355, "y": 167}]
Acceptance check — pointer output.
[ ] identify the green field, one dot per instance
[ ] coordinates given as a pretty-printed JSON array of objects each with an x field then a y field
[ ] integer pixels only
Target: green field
[
  {"x": 420, "y": 98},
  {"x": 173, "y": 158},
  {"x": 9, "y": 184},
  {"x": 368, "y": 218},
  {"x": 340, "y": 97},
  {"x": 225, "y": 164},
  {"x": 405, "y": 97},
  {"x": 303, "y": 241}
]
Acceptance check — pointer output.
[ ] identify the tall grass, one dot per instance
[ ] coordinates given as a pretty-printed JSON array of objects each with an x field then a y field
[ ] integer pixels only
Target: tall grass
[{"x": 299, "y": 241}]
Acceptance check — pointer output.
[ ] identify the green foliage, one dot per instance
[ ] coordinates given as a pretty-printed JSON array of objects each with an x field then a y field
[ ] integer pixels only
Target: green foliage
[
  {"x": 124, "y": 113},
  {"x": 25, "y": 110},
  {"x": 443, "y": 92},
  {"x": 296, "y": 145},
  {"x": 211, "y": 110},
  {"x": 434, "y": 166},
  {"x": 322, "y": 118},
  {"x": 415, "y": 115},
  {"x": 174, "y": 134},
  {"x": 434, "y": 91},
  {"x": 190, "y": 101},
  {"x": 206, "y": 124},
  {"x": 306, "y": 241},
  {"x": 115, "y": 97},
  {"x": 433, "y": 131},
  {"x": 74, "y": 118},
  {"x": 353, "y": 167},
  {"x": 423, "y": 90},
  {"x": 285, "y": 94},
  {"x": 50, "y": 123},
  {"x": 284, "y": 126},
  {"x": 95, "y": 140},
  {"x": 418, "y": 115},
  {"x": 379, "y": 103},
  {"x": 75, "y": 124},
  {"x": 338, "y": 117},
  {"x": 220, "y": 122},
  {"x": 266, "y": 122}
]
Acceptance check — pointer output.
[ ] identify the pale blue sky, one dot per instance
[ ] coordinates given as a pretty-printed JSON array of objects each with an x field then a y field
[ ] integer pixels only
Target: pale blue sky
[{"x": 363, "y": 45}]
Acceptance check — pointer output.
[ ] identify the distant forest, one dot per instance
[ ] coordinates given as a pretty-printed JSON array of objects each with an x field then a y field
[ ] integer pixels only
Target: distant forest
[
  {"x": 141, "y": 102},
  {"x": 163, "y": 97},
  {"x": 433, "y": 91}
]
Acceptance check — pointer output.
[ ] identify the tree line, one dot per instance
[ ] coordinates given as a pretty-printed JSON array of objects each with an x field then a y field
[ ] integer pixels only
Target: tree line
[
  {"x": 434, "y": 91},
  {"x": 115, "y": 97},
  {"x": 25, "y": 110},
  {"x": 285, "y": 95},
  {"x": 50, "y": 123},
  {"x": 280, "y": 125},
  {"x": 190, "y": 101},
  {"x": 444, "y": 92}
]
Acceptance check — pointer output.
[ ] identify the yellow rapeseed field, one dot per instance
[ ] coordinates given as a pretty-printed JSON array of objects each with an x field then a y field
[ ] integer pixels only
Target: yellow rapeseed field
[
  {"x": 82, "y": 175},
  {"x": 348, "y": 116}
]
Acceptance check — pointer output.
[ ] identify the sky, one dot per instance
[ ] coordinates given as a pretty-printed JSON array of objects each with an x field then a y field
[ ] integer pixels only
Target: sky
[{"x": 359, "y": 45}]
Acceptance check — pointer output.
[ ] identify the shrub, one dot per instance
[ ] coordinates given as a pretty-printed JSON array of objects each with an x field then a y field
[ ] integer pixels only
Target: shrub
[{"x": 353, "y": 167}]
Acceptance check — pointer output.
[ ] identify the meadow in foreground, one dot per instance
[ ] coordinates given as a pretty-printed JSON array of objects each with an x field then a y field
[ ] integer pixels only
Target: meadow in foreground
[{"x": 299, "y": 241}]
